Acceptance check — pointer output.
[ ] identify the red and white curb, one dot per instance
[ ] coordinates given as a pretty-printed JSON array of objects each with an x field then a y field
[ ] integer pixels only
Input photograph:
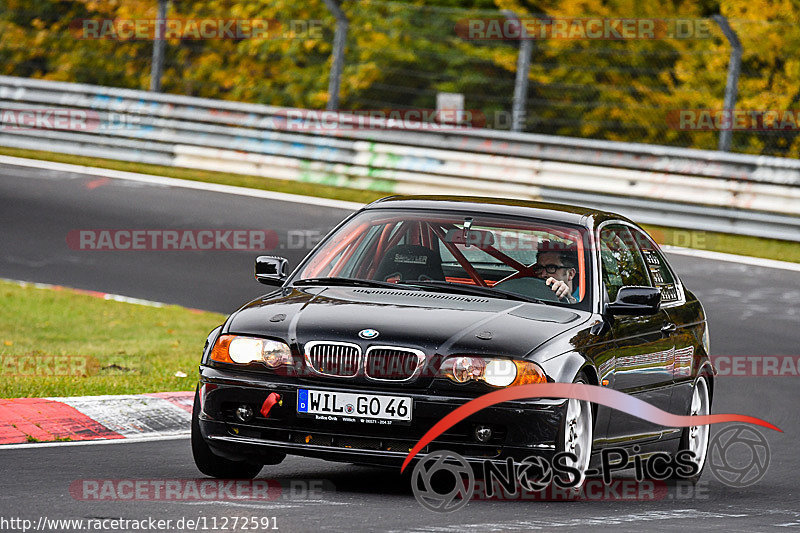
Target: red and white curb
[
  {"x": 36, "y": 421},
  {"x": 31, "y": 422}
]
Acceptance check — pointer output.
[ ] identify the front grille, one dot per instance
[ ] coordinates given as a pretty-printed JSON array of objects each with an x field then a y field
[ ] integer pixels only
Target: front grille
[
  {"x": 334, "y": 358},
  {"x": 388, "y": 363}
]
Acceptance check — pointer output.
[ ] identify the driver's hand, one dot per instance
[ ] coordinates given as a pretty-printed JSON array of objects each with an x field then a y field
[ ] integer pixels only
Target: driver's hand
[{"x": 559, "y": 287}]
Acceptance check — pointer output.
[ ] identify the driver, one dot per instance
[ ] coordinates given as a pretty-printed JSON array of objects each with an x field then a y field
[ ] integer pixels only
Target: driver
[{"x": 557, "y": 265}]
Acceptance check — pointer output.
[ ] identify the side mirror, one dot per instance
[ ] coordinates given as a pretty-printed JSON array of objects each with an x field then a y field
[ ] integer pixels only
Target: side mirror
[
  {"x": 271, "y": 270},
  {"x": 633, "y": 300}
]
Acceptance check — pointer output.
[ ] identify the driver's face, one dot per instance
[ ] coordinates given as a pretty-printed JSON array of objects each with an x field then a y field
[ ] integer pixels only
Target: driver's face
[{"x": 546, "y": 259}]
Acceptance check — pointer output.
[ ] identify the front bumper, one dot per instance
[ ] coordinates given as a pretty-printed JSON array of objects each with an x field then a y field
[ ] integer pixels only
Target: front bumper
[{"x": 519, "y": 429}]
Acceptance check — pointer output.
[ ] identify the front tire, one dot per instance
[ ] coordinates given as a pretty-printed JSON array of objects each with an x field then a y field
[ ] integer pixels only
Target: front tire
[
  {"x": 211, "y": 464},
  {"x": 576, "y": 435}
]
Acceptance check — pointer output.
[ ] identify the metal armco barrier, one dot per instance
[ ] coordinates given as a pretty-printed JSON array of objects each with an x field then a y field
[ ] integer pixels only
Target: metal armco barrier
[{"x": 696, "y": 189}]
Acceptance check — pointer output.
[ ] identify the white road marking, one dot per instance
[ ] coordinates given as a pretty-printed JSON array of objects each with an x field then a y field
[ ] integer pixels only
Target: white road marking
[
  {"x": 263, "y": 506},
  {"x": 130, "y": 440},
  {"x": 175, "y": 182},
  {"x": 732, "y": 258},
  {"x": 104, "y": 295},
  {"x": 545, "y": 523},
  {"x": 323, "y": 202}
]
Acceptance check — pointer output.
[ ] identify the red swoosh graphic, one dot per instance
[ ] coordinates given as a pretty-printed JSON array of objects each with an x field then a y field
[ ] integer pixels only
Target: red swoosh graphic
[{"x": 592, "y": 393}]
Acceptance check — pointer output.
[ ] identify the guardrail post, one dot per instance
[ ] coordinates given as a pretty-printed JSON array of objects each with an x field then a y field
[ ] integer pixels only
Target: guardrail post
[
  {"x": 523, "y": 68},
  {"x": 157, "y": 64},
  {"x": 339, "y": 38},
  {"x": 732, "y": 85}
]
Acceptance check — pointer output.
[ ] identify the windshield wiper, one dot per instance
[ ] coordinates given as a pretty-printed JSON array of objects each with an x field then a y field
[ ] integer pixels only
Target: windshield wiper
[
  {"x": 354, "y": 282},
  {"x": 477, "y": 289}
]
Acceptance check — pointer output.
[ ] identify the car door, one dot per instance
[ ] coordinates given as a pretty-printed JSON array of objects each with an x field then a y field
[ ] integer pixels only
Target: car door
[
  {"x": 644, "y": 354},
  {"x": 685, "y": 327}
]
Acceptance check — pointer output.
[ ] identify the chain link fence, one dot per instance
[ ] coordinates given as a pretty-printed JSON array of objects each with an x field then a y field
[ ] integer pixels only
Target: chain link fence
[{"x": 664, "y": 83}]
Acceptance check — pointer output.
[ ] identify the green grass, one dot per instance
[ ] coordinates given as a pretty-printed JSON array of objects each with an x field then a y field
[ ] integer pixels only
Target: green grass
[
  {"x": 718, "y": 242},
  {"x": 725, "y": 242},
  {"x": 129, "y": 348}
]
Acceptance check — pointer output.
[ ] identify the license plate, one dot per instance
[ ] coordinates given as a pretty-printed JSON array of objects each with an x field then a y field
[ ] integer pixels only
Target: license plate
[{"x": 366, "y": 408}]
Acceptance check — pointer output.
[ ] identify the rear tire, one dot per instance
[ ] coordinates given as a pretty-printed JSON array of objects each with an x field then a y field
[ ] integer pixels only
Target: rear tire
[
  {"x": 211, "y": 464},
  {"x": 696, "y": 438}
]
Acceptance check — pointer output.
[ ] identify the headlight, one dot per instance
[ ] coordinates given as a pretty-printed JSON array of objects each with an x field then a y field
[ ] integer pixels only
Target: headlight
[
  {"x": 499, "y": 372},
  {"x": 706, "y": 342},
  {"x": 245, "y": 350},
  {"x": 496, "y": 372}
]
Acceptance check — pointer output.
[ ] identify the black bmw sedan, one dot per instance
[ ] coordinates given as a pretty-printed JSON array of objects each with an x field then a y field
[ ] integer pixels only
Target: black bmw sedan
[{"x": 413, "y": 306}]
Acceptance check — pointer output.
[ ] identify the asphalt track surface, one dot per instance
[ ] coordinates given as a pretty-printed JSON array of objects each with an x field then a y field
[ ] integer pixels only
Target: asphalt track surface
[{"x": 752, "y": 311}]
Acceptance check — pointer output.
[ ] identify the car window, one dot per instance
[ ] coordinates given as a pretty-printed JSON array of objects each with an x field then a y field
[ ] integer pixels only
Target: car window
[
  {"x": 398, "y": 246},
  {"x": 622, "y": 263},
  {"x": 659, "y": 269},
  {"x": 519, "y": 245}
]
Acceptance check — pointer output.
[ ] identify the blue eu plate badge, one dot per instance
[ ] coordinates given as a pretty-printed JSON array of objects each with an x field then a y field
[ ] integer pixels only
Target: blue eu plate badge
[{"x": 302, "y": 401}]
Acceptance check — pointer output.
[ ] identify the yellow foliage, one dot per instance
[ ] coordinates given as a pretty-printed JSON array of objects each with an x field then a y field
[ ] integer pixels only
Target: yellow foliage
[{"x": 402, "y": 55}]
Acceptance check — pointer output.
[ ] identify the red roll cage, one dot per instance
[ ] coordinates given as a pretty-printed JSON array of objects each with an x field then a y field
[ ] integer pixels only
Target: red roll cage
[{"x": 426, "y": 232}]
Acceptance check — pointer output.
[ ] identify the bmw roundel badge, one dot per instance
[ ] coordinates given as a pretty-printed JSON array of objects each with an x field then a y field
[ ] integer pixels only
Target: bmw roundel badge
[{"x": 368, "y": 333}]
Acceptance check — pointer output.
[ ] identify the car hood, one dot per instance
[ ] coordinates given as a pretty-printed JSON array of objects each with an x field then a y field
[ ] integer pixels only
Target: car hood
[{"x": 435, "y": 322}]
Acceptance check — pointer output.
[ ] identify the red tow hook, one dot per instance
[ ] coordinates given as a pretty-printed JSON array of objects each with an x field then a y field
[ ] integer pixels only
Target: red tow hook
[{"x": 271, "y": 400}]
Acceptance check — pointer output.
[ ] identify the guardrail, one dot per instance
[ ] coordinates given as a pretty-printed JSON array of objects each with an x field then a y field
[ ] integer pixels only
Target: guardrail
[{"x": 697, "y": 189}]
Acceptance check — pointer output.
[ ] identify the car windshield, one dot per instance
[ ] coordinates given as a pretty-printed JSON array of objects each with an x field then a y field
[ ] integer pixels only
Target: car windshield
[{"x": 455, "y": 252}]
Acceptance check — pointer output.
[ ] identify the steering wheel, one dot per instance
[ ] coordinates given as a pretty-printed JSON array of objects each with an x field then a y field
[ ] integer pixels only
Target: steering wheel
[{"x": 531, "y": 287}]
